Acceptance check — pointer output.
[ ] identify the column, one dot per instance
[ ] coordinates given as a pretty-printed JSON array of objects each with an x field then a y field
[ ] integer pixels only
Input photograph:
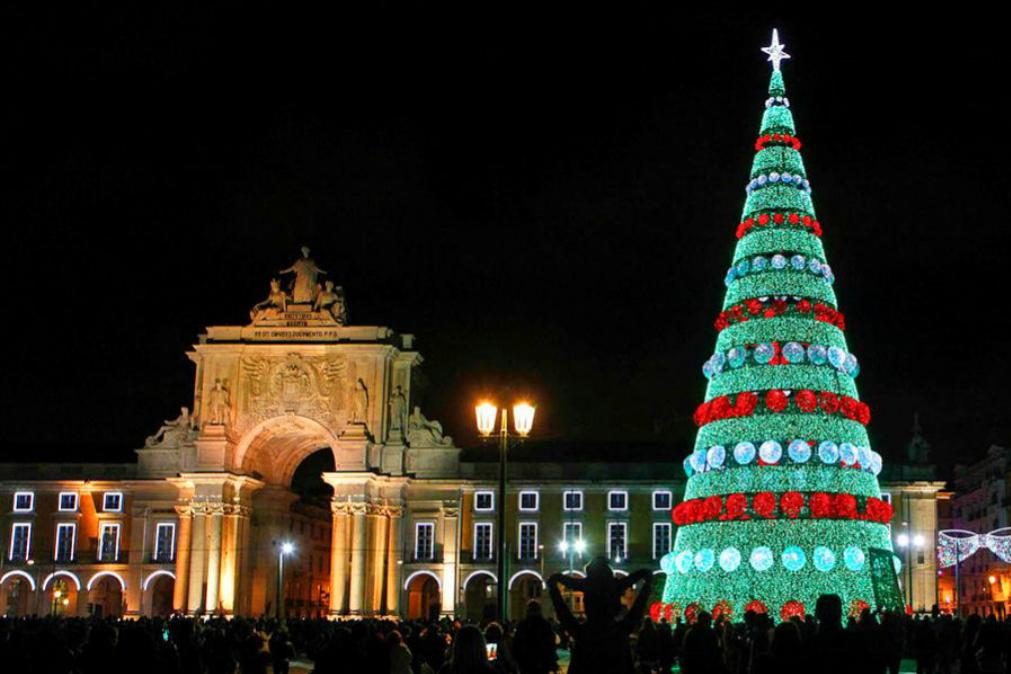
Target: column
[
  {"x": 198, "y": 547},
  {"x": 450, "y": 537},
  {"x": 229, "y": 557},
  {"x": 377, "y": 560},
  {"x": 393, "y": 563},
  {"x": 214, "y": 518},
  {"x": 338, "y": 558},
  {"x": 179, "y": 595},
  {"x": 358, "y": 541}
]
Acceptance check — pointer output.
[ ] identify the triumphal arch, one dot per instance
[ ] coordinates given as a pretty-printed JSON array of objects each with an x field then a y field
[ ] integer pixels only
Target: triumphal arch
[{"x": 297, "y": 379}]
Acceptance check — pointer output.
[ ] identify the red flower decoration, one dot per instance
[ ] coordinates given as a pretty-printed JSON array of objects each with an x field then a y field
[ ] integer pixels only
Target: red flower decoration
[
  {"x": 778, "y": 218},
  {"x": 844, "y": 506},
  {"x": 863, "y": 413},
  {"x": 754, "y": 306},
  {"x": 701, "y": 416},
  {"x": 764, "y": 503},
  {"x": 755, "y": 606},
  {"x": 792, "y": 609},
  {"x": 820, "y": 504},
  {"x": 719, "y": 407},
  {"x": 849, "y": 407},
  {"x": 711, "y": 507},
  {"x": 746, "y": 403},
  {"x": 804, "y": 306},
  {"x": 736, "y": 503},
  {"x": 828, "y": 402},
  {"x": 776, "y": 400},
  {"x": 794, "y": 219},
  {"x": 806, "y": 399},
  {"x": 654, "y": 611},
  {"x": 791, "y": 503}
]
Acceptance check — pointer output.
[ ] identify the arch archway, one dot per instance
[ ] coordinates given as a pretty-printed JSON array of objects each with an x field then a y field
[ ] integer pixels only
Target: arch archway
[
  {"x": 424, "y": 591},
  {"x": 274, "y": 448},
  {"x": 17, "y": 589},
  {"x": 480, "y": 595},
  {"x": 160, "y": 588},
  {"x": 524, "y": 586},
  {"x": 105, "y": 594}
]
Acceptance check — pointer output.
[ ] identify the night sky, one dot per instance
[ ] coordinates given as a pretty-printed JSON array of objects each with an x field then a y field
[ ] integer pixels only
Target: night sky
[{"x": 547, "y": 201}]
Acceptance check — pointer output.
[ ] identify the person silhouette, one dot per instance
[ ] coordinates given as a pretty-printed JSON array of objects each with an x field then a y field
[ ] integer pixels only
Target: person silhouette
[{"x": 601, "y": 644}]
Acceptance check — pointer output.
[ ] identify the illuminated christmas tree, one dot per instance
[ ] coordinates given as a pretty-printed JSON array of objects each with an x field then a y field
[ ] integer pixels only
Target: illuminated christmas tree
[{"x": 782, "y": 502}]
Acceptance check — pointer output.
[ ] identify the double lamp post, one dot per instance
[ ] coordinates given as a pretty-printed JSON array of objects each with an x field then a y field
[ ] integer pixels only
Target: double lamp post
[{"x": 523, "y": 421}]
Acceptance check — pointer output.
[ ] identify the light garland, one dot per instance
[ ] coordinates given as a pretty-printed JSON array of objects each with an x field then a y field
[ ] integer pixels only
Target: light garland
[
  {"x": 788, "y": 505},
  {"x": 770, "y": 453},
  {"x": 777, "y": 139},
  {"x": 790, "y": 353},
  {"x": 775, "y": 401},
  {"x": 779, "y": 262},
  {"x": 956, "y": 545},
  {"x": 774, "y": 307},
  {"x": 774, "y": 178},
  {"x": 779, "y": 219}
]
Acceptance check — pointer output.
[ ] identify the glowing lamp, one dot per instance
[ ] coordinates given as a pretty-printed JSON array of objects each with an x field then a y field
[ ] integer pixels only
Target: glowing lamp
[
  {"x": 579, "y": 546},
  {"x": 486, "y": 414},
  {"x": 287, "y": 548},
  {"x": 523, "y": 418}
]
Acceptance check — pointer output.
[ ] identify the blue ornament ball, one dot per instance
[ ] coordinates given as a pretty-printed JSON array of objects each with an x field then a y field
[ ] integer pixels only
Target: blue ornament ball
[
  {"x": 828, "y": 452},
  {"x": 764, "y": 353},
  {"x": 815, "y": 266},
  {"x": 744, "y": 453},
  {"x": 736, "y": 356},
  {"x": 761, "y": 558},
  {"x": 762, "y": 179},
  {"x": 704, "y": 559},
  {"x": 770, "y": 451},
  {"x": 760, "y": 263},
  {"x": 850, "y": 365},
  {"x": 730, "y": 559},
  {"x": 699, "y": 460},
  {"x": 707, "y": 369},
  {"x": 794, "y": 558},
  {"x": 824, "y": 558},
  {"x": 798, "y": 262},
  {"x": 742, "y": 267},
  {"x": 774, "y": 177},
  {"x": 817, "y": 354},
  {"x": 716, "y": 455},
  {"x": 848, "y": 453},
  {"x": 684, "y": 561},
  {"x": 836, "y": 357},
  {"x": 687, "y": 465},
  {"x": 800, "y": 451},
  {"x": 853, "y": 557},
  {"x": 778, "y": 261},
  {"x": 794, "y": 352}
]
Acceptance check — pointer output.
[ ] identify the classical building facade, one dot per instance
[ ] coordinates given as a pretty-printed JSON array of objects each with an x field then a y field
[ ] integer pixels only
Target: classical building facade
[{"x": 408, "y": 522}]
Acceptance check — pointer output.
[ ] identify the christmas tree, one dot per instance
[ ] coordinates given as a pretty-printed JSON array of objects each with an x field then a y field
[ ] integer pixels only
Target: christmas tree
[{"x": 782, "y": 502}]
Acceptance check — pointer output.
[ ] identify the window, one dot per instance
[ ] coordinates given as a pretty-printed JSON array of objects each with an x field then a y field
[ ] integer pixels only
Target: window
[
  {"x": 662, "y": 500},
  {"x": 24, "y": 501},
  {"x": 528, "y": 500},
  {"x": 920, "y": 557},
  {"x": 108, "y": 545},
  {"x": 572, "y": 500},
  {"x": 165, "y": 542},
  {"x": 482, "y": 540},
  {"x": 616, "y": 540},
  {"x": 21, "y": 541},
  {"x": 65, "y": 536},
  {"x": 528, "y": 540},
  {"x": 424, "y": 540},
  {"x": 887, "y": 498},
  {"x": 68, "y": 501},
  {"x": 617, "y": 500},
  {"x": 112, "y": 502},
  {"x": 661, "y": 539},
  {"x": 572, "y": 532},
  {"x": 484, "y": 501}
]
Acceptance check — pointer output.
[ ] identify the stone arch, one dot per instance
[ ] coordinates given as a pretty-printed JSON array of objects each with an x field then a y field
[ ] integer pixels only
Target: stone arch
[
  {"x": 480, "y": 595},
  {"x": 275, "y": 447},
  {"x": 524, "y": 586},
  {"x": 424, "y": 593},
  {"x": 105, "y": 594},
  {"x": 56, "y": 574},
  {"x": 17, "y": 593}
]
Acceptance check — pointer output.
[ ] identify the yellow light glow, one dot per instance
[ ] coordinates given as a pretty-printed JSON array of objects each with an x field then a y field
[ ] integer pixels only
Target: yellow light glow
[
  {"x": 523, "y": 418},
  {"x": 992, "y": 579},
  {"x": 486, "y": 413}
]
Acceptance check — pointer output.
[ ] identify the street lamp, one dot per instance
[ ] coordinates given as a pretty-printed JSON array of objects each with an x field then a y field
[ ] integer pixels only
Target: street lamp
[
  {"x": 577, "y": 547},
  {"x": 286, "y": 549},
  {"x": 523, "y": 421},
  {"x": 907, "y": 543}
]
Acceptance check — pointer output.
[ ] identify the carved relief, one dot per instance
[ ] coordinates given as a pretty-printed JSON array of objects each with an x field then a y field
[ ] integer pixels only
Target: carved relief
[{"x": 309, "y": 386}]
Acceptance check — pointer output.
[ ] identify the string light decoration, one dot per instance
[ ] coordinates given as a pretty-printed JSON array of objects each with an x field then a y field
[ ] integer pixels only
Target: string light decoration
[
  {"x": 957, "y": 545},
  {"x": 782, "y": 502}
]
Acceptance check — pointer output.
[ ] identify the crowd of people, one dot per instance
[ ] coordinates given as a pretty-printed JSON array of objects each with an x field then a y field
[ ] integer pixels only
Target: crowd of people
[{"x": 825, "y": 642}]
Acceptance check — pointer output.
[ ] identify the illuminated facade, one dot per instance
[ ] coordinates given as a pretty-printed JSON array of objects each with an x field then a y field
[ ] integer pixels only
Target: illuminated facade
[{"x": 406, "y": 526}]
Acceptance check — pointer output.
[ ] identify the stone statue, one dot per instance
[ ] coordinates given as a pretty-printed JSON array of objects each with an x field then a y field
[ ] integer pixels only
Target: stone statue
[
  {"x": 601, "y": 640},
  {"x": 220, "y": 401},
  {"x": 305, "y": 286},
  {"x": 173, "y": 431},
  {"x": 422, "y": 432},
  {"x": 398, "y": 410},
  {"x": 331, "y": 300},
  {"x": 359, "y": 402},
  {"x": 276, "y": 301}
]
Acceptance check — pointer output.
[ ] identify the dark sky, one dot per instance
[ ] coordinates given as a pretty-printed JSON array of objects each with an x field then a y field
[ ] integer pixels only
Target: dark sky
[{"x": 547, "y": 201}]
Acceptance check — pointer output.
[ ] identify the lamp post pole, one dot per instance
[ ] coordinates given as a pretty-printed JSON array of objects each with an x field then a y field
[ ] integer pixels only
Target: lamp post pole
[
  {"x": 523, "y": 421},
  {"x": 283, "y": 549},
  {"x": 503, "y": 549}
]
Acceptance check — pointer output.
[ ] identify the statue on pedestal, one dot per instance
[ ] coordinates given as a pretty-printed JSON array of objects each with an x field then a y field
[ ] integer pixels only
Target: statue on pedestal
[
  {"x": 305, "y": 285},
  {"x": 398, "y": 412},
  {"x": 423, "y": 432},
  {"x": 359, "y": 402},
  {"x": 331, "y": 300},
  {"x": 220, "y": 403},
  {"x": 173, "y": 431},
  {"x": 276, "y": 302}
]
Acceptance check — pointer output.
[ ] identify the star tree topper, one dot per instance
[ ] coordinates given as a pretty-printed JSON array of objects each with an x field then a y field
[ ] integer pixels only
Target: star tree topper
[{"x": 776, "y": 50}]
